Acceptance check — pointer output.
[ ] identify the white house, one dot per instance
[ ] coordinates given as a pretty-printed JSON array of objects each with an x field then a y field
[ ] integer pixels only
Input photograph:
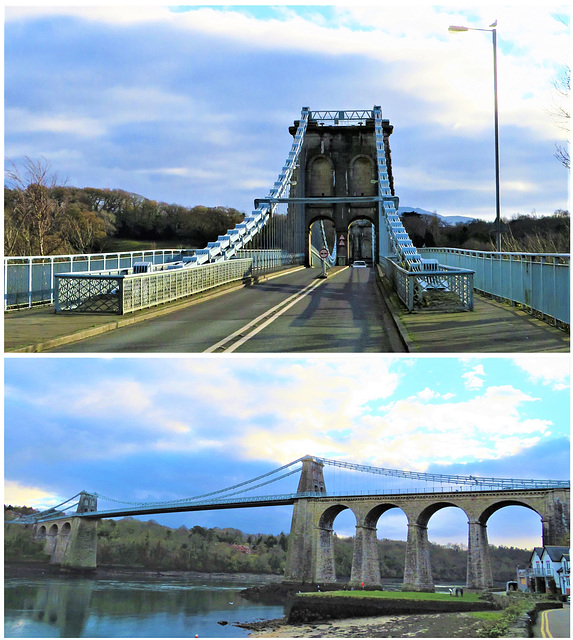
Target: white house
[
  {"x": 564, "y": 577},
  {"x": 549, "y": 569}
]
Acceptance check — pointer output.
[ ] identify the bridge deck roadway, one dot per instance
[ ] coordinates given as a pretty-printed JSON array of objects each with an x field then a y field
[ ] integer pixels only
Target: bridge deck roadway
[
  {"x": 458, "y": 498},
  {"x": 346, "y": 313}
]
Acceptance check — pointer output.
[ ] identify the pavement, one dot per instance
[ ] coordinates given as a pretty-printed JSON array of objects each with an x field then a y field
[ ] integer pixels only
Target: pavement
[{"x": 493, "y": 327}]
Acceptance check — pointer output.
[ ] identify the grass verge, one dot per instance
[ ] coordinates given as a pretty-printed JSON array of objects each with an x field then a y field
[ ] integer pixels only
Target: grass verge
[
  {"x": 393, "y": 595},
  {"x": 497, "y": 623}
]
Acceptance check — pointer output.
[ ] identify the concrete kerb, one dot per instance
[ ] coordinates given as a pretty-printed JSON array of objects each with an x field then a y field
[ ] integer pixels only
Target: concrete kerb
[
  {"x": 384, "y": 288},
  {"x": 148, "y": 315}
]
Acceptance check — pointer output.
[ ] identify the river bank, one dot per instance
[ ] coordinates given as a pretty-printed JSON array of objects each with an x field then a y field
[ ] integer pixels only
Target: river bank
[{"x": 441, "y": 625}]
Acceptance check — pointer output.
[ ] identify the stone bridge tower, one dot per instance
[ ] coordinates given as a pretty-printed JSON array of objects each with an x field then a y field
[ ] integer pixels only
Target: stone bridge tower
[{"x": 339, "y": 161}]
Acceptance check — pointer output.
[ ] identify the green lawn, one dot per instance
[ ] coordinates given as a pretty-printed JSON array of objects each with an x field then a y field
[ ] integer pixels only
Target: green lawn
[
  {"x": 395, "y": 595},
  {"x": 487, "y": 615}
]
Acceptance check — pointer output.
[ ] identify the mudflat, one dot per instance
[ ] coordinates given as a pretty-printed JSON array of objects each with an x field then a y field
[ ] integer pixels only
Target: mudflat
[{"x": 439, "y": 625}]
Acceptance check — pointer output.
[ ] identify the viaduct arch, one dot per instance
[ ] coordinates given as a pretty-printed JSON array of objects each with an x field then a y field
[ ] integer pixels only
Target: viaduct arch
[
  {"x": 310, "y": 553},
  {"x": 312, "y": 533}
]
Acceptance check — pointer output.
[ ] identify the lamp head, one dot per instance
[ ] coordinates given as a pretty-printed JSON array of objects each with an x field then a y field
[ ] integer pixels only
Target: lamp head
[{"x": 454, "y": 29}]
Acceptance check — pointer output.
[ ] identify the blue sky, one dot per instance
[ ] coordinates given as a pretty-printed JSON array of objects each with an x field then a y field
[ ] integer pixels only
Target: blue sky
[
  {"x": 150, "y": 429},
  {"x": 192, "y": 104}
]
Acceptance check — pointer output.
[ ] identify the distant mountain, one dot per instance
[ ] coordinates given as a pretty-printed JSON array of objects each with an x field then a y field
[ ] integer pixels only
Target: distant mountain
[{"x": 449, "y": 220}]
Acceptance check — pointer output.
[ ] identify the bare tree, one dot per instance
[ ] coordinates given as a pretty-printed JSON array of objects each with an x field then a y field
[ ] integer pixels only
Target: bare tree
[
  {"x": 560, "y": 105},
  {"x": 34, "y": 216},
  {"x": 560, "y": 112}
]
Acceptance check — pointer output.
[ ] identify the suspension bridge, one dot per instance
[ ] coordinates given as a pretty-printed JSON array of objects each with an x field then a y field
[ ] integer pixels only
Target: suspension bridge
[
  {"x": 367, "y": 491},
  {"x": 338, "y": 173}
]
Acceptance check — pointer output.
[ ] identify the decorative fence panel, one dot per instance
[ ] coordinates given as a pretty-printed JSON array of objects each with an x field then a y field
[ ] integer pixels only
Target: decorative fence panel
[
  {"x": 537, "y": 282},
  {"x": 442, "y": 289},
  {"x": 30, "y": 280},
  {"x": 124, "y": 293}
]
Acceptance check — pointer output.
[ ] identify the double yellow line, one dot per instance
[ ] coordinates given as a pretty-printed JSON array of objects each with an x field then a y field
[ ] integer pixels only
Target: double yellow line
[{"x": 545, "y": 633}]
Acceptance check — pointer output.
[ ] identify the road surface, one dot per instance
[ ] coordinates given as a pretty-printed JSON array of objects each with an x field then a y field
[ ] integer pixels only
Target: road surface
[
  {"x": 296, "y": 312},
  {"x": 553, "y": 623}
]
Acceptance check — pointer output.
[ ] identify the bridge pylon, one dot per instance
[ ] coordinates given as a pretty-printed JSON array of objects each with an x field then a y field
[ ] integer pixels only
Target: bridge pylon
[
  {"x": 312, "y": 476},
  {"x": 339, "y": 172},
  {"x": 302, "y": 547}
]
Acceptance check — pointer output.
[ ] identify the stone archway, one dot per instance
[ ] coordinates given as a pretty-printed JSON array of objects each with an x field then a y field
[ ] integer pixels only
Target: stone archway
[
  {"x": 417, "y": 569},
  {"x": 365, "y": 563},
  {"x": 480, "y": 574},
  {"x": 51, "y": 539},
  {"x": 314, "y": 235},
  {"x": 361, "y": 243},
  {"x": 325, "y": 565},
  {"x": 63, "y": 540}
]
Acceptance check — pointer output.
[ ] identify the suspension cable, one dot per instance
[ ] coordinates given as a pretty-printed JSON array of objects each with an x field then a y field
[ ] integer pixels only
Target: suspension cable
[
  {"x": 444, "y": 478},
  {"x": 212, "y": 493}
]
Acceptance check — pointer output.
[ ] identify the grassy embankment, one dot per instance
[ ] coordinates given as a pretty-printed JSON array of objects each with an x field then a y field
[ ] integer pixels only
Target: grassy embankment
[{"x": 392, "y": 595}]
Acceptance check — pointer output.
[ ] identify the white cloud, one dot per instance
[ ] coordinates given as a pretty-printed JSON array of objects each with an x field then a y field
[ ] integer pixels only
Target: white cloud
[
  {"x": 554, "y": 372},
  {"x": 24, "y": 121},
  {"x": 284, "y": 409},
  {"x": 416, "y": 53},
  {"x": 474, "y": 379},
  {"x": 18, "y": 494}
]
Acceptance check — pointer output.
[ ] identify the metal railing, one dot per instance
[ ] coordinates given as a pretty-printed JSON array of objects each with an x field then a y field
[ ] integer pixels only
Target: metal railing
[
  {"x": 120, "y": 293},
  {"x": 538, "y": 282},
  {"x": 270, "y": 259},
  {"x": 29, "y": 280},
  {"x": 441, "y": 289}
]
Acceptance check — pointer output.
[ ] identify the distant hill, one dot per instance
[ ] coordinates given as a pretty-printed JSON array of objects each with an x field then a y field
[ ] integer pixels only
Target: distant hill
[{"x": 449, "y": 220}]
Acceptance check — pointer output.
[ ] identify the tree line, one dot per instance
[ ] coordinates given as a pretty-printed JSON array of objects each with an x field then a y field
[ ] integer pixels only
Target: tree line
[
  {"x": 525, "y": 233},
  {"x": 43, "y": 217},
  {"x": 149, "y": 545}
]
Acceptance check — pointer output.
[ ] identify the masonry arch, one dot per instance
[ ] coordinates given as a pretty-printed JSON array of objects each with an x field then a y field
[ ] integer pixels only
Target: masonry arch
[
  {"x": 41, "y": 533},
  {"x": 51, "y": 539},
  {"x": 316, "y": 239},
  {"x": 326, "y": 570},
  {"x": 320, "y": 178},
  {"x": 418, "y": 574},
  {"x": 513, "y": 525},
  {"x": 377, "y": 561},
  {"x": 501, "y": 504},
  {"x": 362, "y": 176},
  {"x": 62, "y": 541},
  {"x": 362, "y": 234}
]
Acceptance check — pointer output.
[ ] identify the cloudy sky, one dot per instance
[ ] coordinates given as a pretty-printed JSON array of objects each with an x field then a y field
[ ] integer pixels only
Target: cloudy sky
[
  {"x": 150, "y": 429},
  {"x": 192, "y": 105}
]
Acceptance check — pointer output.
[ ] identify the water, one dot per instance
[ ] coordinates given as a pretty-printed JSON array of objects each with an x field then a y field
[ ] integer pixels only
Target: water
[{"x": 70, "y": 607}]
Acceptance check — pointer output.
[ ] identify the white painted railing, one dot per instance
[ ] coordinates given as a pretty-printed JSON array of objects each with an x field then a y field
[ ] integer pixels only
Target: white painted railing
[
  {"x": 29, "y": 280},
  {"x": 116, "y": 292}
]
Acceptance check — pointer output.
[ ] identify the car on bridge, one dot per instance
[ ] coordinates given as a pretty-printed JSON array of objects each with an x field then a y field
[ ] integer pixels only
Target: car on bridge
[{"x": 359, "y": 263}]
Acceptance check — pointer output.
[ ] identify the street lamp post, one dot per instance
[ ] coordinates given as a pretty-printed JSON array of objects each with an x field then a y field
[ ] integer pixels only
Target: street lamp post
[{"x": 454, "y": 29}]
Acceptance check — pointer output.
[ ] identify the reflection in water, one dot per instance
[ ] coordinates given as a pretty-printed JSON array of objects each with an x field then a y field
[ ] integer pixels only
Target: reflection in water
[
  {"x": 71, "y": 607},
  {"x": 65, "y": 606}
]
